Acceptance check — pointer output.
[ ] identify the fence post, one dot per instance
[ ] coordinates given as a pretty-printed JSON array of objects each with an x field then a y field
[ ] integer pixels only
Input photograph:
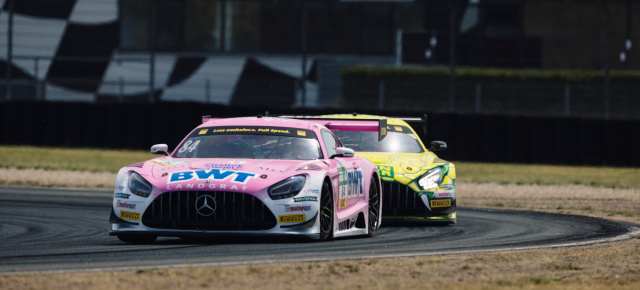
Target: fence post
[{"x": 567, "y": 95}]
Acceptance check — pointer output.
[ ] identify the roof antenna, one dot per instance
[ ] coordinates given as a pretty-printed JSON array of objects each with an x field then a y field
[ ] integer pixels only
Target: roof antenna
[
  {"x": 266, "y": 113},
  {"x": 259, "y": 115},
  {"x": 354, "y": 114}
]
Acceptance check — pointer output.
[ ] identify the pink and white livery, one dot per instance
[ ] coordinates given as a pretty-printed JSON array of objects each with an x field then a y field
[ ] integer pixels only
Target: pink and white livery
[{"x": 250, "y": 176}]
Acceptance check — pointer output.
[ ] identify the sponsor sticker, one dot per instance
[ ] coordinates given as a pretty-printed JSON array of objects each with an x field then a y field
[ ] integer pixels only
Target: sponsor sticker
[
  {"x": 342, "y": 203},
  {"x": 224, "y": 166},
  {"x": 122, "y": 195},
  {"x": 446, "y": 193},
  {"x": 208, "y": 185},
  {"x": 291, "y": 218},
  {"x": 212, "y": 174},
  {"x": 447, "y": 186},
  {"x": 305, "y": 198},
  {"x": 441, "y": 203},
  {"x": 168, "y": 162},
  {"x": 254, "y": 130},
  {"x": 124, "y": 204},
  {"x": 385, "y": 171},
  {"x": 351, "y": 183},
  {"x": 289, "y": 208},
  {"x": 129, "y": 215},
  {"x": 345, "y": 225}
]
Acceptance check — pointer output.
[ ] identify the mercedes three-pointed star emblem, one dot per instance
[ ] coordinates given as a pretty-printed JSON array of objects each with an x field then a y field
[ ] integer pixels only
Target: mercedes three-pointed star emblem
[{"x": 205, "y": 205}]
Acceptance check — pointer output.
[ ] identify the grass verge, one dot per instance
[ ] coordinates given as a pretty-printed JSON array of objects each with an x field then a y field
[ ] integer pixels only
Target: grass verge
[{"x": 101, "y": 160}]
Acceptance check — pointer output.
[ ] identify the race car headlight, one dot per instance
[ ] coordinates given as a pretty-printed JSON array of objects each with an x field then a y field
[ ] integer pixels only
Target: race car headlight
[
  {"x": 138, "y": 185},
  {"x": 287, "y": 188},
  {"x": 431, "y": 179}
]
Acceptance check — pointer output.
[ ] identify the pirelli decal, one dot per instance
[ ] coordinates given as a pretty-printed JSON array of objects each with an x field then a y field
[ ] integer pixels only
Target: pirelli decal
[
  {"x": 441, "y": 203},
  {"x": 291, "y": 218},
  {"x": 129, "y": 215}
]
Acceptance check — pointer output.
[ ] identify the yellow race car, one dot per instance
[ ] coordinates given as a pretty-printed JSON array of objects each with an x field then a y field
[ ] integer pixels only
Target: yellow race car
[{"x": 417, "y": 185}]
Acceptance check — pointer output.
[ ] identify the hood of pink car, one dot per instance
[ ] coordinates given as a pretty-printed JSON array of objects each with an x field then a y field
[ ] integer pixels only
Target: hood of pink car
[{"x": 220, "y": 174}]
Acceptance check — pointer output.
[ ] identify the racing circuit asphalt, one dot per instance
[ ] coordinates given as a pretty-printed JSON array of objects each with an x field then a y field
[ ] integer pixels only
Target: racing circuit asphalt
[{"x": 44, "y": 229}]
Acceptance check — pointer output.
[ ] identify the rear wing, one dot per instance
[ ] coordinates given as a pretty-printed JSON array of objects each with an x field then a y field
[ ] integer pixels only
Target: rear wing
[
  {"x": 371, "y": 125},
  {"x": 413, "y": 121}
]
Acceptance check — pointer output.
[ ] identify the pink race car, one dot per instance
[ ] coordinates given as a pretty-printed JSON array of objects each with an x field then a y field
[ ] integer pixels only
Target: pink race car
[{"x": 250, "y": 176}]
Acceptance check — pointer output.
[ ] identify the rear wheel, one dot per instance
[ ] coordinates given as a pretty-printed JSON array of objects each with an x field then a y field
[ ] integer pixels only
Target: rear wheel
[
  {"x": 326, "y": 212},
  {"x": 137, "y": 239},
  {"x": 374, "y": 207}
]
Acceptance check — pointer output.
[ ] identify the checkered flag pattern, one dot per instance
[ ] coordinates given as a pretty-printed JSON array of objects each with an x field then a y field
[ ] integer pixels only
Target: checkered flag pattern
[{"x": 67, "y": 50}]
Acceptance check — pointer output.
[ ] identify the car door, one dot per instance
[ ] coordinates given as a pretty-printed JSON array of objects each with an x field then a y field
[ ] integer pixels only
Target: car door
[{"x": 351, "y": 186}]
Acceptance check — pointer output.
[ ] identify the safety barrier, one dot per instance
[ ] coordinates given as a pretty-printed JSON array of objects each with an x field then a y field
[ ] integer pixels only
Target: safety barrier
[{"x": 470, "y": 137}]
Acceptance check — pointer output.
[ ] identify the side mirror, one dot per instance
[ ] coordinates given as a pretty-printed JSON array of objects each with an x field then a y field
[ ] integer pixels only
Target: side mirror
[
  {"x": 344, "y": 152},
  {"x": 438, "y": 145},
  {"x": 160, "y": 149}
]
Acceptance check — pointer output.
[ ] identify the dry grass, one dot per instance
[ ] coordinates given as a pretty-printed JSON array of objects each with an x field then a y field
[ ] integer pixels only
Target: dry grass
[{"x": 605, "y": 266}]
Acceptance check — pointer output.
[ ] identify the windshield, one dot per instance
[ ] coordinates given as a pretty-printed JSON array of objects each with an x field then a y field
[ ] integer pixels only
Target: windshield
[
  {"x": 251, "y": 142},
  {"x": 366, "y": 141}
]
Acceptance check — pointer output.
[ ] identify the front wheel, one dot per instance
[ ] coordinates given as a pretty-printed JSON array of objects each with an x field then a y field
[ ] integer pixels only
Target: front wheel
[
  {"x": 326, "y": 212},
  {"x": 137, "y": 239},
  {"x": 374, "y": 207}
]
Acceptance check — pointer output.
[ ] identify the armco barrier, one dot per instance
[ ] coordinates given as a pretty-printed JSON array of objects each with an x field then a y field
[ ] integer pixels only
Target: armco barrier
[
  {"x": 3, "y": 114},
  {"x": 633, "y": 153},
  {"x": 35, "y": 124},
  {"x": 470, "y": 137},
  {"x": 75, "y": 118},
  {"x": 494, "y": 136},
  {"x": 543, "y": 140},
  {"x": 14, "y": 124},
  {"x": 518, "y": 140},
  {"x": 616, "y": 142},
  {"x": 568, "y": 136},
  {"x": 592, "y": 135}
]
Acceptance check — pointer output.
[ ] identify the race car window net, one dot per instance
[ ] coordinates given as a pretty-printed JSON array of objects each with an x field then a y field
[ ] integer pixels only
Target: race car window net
[
  {"x": 250, "y": 142},
  {"x": 396, "y": 141}
]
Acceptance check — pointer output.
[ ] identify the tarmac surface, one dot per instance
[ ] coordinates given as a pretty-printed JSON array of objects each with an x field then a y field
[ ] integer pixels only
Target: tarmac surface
[{"x": 52, "y": 229}]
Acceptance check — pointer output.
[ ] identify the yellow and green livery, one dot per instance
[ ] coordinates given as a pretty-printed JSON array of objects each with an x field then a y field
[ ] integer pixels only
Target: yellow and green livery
[{"x": 417, "y": 184}]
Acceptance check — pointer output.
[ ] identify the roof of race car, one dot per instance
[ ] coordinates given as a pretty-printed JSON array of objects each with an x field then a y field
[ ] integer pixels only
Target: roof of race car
[{"x": 258, "y": 121}]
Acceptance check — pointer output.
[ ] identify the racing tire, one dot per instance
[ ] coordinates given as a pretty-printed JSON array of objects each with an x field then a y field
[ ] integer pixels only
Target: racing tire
[
  {"x": 137, "y": 239},
  {"x": 326, "y": 212},
  {"x": 374, "y": 208}
]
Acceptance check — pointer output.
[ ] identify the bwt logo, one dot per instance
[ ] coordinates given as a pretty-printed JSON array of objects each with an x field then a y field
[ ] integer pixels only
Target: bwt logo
[
  {"x": 213, "y": 174},
  {"x": 355, "y": 182}
]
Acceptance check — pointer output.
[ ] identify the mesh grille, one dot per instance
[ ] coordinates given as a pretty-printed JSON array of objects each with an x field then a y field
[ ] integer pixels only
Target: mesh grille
[
  {"x": 399, "y": 197},
  {"x": 233, "y": 211}
]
